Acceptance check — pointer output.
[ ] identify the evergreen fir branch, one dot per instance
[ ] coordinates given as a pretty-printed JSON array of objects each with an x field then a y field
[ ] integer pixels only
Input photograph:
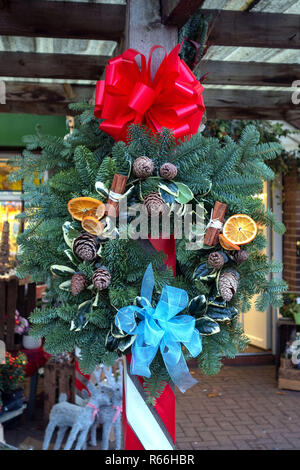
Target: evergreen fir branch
[
  {"x": 81, "y": 107},
  {"x": 155, "y": 384},
  {"x": 122, "y": 158},
  {"x": 85, "y": 165},
  {"x": 106, "y": 171}
]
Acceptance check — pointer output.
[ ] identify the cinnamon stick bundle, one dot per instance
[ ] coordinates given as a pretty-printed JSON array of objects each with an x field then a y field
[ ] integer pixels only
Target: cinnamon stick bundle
[
  {"x": 117, "y": 189},
  {"x": 212, "y": 233}
]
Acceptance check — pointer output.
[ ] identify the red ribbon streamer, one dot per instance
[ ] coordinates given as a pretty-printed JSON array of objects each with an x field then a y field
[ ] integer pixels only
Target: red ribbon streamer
[
  {"x": 165, "y": 404},
  {"x": 173, "y": 99}
]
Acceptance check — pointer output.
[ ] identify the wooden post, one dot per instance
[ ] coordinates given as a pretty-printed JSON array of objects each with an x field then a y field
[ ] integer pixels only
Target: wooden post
[
  {"x": 11, "y": 305},
  {"x": 143, "y": 31}
]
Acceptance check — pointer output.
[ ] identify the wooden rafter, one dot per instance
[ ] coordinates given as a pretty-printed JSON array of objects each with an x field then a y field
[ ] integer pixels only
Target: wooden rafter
[
  {"x": 249, "y": 104},
  {"x": 225, "y": 72},
  {"x": 252, "y": 29},
  {"x": 90, "y": 67},
  {"x": 41, "y": 98},
  {"x": 56, "y": 66},
  {"x": 62, "y": 19},
  {"x": 44, "y": 98}
]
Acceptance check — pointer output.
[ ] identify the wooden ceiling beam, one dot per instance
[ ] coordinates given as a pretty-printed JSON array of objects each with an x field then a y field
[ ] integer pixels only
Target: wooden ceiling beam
[
  {"x": 255, "y": 113},
  {"x": 91, "y": 67},
  {"x": 55, "y": 66},
  {"x": 252, "y": 29},
  {"x": 250, "y": 104},
  {"x": 44, "y": 98},
  {"x": 225, "y": 72},
  {"x": 52, "y": 19}
]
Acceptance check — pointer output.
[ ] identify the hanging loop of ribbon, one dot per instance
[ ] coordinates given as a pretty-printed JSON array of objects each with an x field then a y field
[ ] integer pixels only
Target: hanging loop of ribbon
[
  {"x": 172, "y": 99},
  {"x": 161, "y": 328}
]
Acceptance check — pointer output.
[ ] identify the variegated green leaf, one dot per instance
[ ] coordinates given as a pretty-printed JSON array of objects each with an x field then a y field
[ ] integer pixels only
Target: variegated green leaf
[
  {"x": 170, "y": 188},
  {"x": 95, "y": 303},
  {"x": 221, "y": 314},
  {"x": 81, "y": 319},
  {"x": 73, "y": 258},
  {"x": 85, "y": 307},
  {"x": 168, "y": 192},
  {"x": 101, "y": 188},
  {"x": 111, "y": 343},
  {"x": 205, "y": 273},
  {"x": 207, "y": 326},
  {"x": 184, "y": 193},
  {"x": 197, "y": 306},
  {"x": 100, "y": 251},
  {"x": 66, "y": 285},
  {"x": 70, "y": 233},
  {"x": 127, "y": 193},
  {"x": 61, "y": 271},
  {"x": 126, "y": 342},
  {"x": 217, "y": 302}
]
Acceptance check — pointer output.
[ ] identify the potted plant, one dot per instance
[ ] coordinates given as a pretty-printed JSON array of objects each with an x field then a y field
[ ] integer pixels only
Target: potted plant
[
  {"x": 22, "y": 328},
  {"x": 12, "y": 373},
  {"x": 295, "y": 310},
  {"x": 291, "y": 306}
]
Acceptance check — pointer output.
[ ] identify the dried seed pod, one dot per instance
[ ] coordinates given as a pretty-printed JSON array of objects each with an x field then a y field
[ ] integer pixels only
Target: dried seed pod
[
  {"x": 168, "y": 171},
  {"x": 240, "y": 256},
  {"x": 143, "y": 167}
]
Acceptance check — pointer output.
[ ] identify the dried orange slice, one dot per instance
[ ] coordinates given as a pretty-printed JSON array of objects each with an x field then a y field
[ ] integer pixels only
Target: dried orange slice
[
  {"x": 92, "y": 225},
  {"x": 80, "y": 207},
  {"x": 226, "y": 244},
  {"x": 239, "y": 229}
]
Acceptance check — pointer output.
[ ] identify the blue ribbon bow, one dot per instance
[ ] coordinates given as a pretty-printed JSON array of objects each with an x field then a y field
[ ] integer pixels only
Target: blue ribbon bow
[{"x": 162, "y": 328}]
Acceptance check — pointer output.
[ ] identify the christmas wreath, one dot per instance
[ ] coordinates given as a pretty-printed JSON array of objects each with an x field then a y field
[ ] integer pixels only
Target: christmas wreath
[{"x": 111, "y": 292}]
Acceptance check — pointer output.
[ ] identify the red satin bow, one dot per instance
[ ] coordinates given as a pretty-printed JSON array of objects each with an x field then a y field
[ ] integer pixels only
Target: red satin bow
[{"x": 173, "y": 99}]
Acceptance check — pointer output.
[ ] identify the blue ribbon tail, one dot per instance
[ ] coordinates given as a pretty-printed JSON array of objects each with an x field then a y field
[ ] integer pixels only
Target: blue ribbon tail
[
  {"x": 142, "y": 356},
  {"x": 180, "y": 374}
]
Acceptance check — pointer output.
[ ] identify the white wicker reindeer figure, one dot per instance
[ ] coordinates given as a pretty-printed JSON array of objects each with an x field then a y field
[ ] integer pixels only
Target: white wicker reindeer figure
[
  {"x": 110, "y": 415},
  {"x": 66, "y": 415}
]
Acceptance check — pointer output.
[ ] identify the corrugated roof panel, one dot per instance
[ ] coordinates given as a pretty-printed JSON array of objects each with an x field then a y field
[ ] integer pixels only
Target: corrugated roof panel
[
  {"x": 256, "y": 54},
  {"x": 57, "y": 45},
  {"x": 272, "y": 6}
]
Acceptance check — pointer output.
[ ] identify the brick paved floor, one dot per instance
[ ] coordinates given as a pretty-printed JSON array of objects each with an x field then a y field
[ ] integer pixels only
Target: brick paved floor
[{"x": 240, "y": 408}]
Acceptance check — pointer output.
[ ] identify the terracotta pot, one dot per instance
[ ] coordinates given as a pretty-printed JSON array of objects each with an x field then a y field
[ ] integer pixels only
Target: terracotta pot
[{"x": 39, "y": 291}]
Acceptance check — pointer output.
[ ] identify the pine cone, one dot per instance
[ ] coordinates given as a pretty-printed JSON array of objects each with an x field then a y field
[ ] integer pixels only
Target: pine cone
[
  {"x": 154, "y": 204},
  {"x": 101, "y": 278},
  {"x": 168, "y": 171},
  {"x": 86, "y": 246},
  {"x": 217, "y": 259},
  {"x": 228, "y": 284},
  {"x": 78, "y": 283},
  {"x": 240, "y": 256},
  {"x": 143, "y": 167}
]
